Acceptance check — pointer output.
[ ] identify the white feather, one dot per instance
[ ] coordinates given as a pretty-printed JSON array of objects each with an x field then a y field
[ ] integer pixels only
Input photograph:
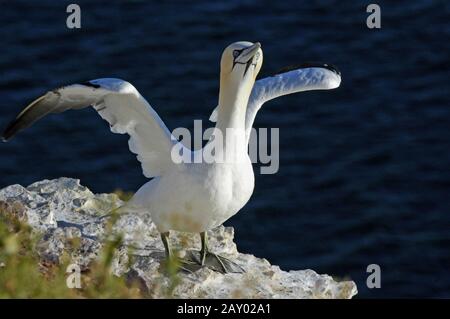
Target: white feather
[
  {"x": 120, "y": 104},
  {"x": 304, "y": 79}
]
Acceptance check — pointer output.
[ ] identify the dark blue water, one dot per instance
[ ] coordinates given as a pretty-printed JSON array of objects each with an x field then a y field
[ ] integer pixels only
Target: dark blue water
[{"x": 368, "y": 178}]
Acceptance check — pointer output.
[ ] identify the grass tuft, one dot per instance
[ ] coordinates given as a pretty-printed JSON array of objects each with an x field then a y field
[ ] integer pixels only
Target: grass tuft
[{"x": 23, "y": 274}]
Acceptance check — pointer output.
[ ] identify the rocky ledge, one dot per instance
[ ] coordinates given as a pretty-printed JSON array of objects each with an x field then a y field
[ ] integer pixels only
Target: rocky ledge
[{"x": 62, "y": 209}]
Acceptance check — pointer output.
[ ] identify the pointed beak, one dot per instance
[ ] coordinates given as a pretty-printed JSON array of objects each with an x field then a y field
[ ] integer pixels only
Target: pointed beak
[{"x": 249, "y": 53}]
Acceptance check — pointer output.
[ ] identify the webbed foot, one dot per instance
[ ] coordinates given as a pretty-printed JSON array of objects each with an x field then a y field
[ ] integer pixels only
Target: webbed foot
[{"x": 216, "y": 262}]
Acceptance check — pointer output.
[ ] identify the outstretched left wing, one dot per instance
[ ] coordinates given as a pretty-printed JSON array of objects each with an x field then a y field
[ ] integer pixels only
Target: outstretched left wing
[
  {"x": 120, "y": 104},
  {"x": 303, "y": 78}
]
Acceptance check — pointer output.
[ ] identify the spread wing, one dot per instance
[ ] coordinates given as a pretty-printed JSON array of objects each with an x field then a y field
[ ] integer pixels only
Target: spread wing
[
  {"x": 304, "y": 78},
  {"x": 121, "y": 105}
]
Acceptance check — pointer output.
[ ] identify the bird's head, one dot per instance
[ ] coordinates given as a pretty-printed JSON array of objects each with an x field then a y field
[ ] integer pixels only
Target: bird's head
[{"x": 240, "y": 63}]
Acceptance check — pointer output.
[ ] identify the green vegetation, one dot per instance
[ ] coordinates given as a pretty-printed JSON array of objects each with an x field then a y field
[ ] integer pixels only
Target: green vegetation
[
  {"x": 123, "y": 195},
  {"x": 24, "y": 275}
]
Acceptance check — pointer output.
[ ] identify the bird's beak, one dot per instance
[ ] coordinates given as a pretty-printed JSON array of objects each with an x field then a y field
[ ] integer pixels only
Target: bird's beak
[
  {"x": 246, "y": 57},
  {"x": 249, "y": 53}
]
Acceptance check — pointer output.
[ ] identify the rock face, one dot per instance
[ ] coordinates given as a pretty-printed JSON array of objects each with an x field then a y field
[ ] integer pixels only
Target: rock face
[{"x": 62, "y": 209}]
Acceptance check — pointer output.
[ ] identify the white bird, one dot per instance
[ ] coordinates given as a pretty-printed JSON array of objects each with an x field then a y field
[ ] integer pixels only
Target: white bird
[{"x": 188, "y": 197}]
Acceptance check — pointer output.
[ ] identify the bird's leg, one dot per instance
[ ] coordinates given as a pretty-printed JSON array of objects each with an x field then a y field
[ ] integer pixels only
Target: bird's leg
[
  {"x": 185, "y": 265},
  {"x": 204, "y": 249},
  {"x": 216, "y": 262},
  {"x": 165, "y": 240}
]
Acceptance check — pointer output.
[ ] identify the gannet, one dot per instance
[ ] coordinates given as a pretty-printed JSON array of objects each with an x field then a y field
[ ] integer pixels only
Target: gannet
[{"x": 187, "y": 197}]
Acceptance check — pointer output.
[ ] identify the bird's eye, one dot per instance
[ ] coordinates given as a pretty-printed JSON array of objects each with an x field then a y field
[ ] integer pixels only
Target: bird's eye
[{"x": 236, "y": 53}]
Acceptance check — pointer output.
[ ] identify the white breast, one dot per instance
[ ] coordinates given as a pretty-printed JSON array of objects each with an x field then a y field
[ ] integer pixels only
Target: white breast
[{"x": 197, "y": 199}]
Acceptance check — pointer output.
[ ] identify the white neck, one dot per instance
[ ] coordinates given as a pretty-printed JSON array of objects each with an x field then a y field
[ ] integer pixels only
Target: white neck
[{"x": 233, "y": 99}]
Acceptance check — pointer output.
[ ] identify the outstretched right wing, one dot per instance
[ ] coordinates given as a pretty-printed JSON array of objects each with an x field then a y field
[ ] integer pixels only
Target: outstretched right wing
[
  {"x": 302, "y": 78},
  {"x": 119, "y": 103}
]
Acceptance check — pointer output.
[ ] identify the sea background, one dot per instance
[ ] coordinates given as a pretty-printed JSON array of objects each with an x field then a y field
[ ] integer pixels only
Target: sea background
[{"x": 364, "y": 170}]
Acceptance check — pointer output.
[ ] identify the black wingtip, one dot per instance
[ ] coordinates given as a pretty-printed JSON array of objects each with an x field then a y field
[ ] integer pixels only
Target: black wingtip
[
  {"x": 332, "y": 68},
  {"x": 90, "y": 84},
  {"x": 8, "y": 133},
  {"x": 5, "y": 138},
  {"x": 11, "y": 130},
  {"x": 309, "y": 65}
]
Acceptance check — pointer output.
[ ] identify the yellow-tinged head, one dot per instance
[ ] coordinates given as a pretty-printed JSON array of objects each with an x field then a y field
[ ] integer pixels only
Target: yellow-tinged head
[{"x": 241, "y": 62}]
